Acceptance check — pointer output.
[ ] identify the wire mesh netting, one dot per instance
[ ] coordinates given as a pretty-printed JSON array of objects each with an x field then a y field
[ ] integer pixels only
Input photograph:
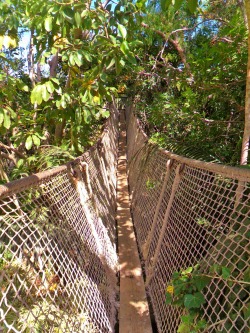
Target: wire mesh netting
[
  {"x": 58, "y": 257},
  {"x": 190, "y": 213}
]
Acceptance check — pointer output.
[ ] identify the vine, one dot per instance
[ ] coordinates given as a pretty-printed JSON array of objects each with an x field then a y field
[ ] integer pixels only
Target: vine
[{"x": 187, "y": 289}]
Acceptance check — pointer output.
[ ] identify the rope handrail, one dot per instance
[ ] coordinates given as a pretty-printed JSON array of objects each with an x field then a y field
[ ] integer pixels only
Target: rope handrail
[
  {"x": 235, "y": 172},
  {"x": 58, "y": 259},
  {"x": 190, "y": 213}
]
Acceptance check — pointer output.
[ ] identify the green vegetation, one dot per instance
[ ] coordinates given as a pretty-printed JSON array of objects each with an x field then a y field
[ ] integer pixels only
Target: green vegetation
[
  {"x": 53, "y": 103},
  {"x": 189, "y": 85},
  {"x": 223, "y": 274},
  {"x": 33, "y": 308},
  {"x": 183, "y": 63},
  {"x": 187, "y": 290}
]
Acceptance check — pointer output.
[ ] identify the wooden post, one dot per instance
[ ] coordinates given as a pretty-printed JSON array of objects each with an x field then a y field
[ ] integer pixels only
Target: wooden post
[
  {"x": 146, "y": 245},
  {"x": 176, "y": 182}
]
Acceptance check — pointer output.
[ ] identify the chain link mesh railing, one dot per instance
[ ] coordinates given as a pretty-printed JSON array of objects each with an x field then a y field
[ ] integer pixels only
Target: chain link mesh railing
[
  {"x": 58, "y": 257},
  {"x": 189, "y": 213}
]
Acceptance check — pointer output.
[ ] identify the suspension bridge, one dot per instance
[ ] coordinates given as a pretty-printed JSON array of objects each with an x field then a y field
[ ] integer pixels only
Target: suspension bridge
[{"x": 91, "y": 246}]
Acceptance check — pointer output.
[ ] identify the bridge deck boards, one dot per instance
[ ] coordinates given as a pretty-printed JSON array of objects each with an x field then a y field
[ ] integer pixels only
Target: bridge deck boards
[{"x": 134, "y": 312}]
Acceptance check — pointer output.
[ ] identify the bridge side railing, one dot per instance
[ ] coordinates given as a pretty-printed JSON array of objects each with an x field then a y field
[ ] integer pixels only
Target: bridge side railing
[
  {"x": 58, "y": 257},
  {"x": 196, "y": 215}
]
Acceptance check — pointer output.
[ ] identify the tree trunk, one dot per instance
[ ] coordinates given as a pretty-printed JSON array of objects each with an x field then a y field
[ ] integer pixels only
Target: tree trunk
[
  {"x": 58, "y": 126},
  {"x": 246, "y": 135},
  {"x": 52, "y": 65},
  {"x": 31, "y": 68},
  {"x": 242, "y": 7}
]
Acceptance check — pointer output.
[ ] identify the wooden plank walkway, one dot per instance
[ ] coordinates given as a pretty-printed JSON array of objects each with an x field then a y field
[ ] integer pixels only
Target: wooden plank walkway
[{"x": 134, "y": 312}]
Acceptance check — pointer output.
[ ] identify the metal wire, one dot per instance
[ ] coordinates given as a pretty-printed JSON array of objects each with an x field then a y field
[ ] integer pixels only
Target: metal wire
[
  {"x": 57, "y": 231},
  {"x": 58, "y": 257},
  {"x": 199, "y": 215}
]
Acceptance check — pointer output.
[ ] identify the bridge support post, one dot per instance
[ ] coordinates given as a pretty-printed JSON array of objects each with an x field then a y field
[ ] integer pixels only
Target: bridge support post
[
  {"x": 146, "y": 245},
  {"x": 176, "y": 183}
]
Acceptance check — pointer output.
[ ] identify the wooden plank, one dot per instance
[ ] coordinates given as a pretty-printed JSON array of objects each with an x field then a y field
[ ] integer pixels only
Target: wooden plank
[{"x": 134, "y": 311}]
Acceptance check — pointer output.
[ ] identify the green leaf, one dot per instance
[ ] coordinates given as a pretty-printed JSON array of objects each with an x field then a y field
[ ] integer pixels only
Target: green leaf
[
  {"x": 215, "y": 269},
  {"x": 25, "y": 88},
  {"x": 84, "y": 13},
  {"x": 193, "y": 301},
  {"x": 11, "y": 112},
  {"x": 72, "y": 59},
  {"x": 118, "y": 66},
  {"x": 201, "y": 282},
  {"x": 109, "y": 7},
  {"x": 201, "y": 324},
  {"x": 113, "y": 39},
  {"x": 104, "y": 77},
  {"x": 36, "y": 140},
  {"x": 124, "y": 47},
  {"x": 50, "y": 87},
  {"x": 45, "y": 93},
  {"x": 20, "y": 163},
  {"x": 36, "y": 95},
  {"x": 68, "y": 14},
  {"x": 87, "y": 55},
  {"x": 165, "y": 4},
  {"x": 247, "y": 311},
  {"x": 246, "y": 273},
  {"x": 131, "y": 58},
  {"x": 28, "y": 142},
  {"x": 192, "y": 5},
  {"x": 122, "y": 30},
  {"x": 188, "y": 319},
  {"x": 78, "y": 59},
  {"x": 6, "y": 120},
  {"x": 1, "y": 116},
  {"x": 105, "y": 114},
  {"x": 78, "y": 19},
  {"x": 48, "y": 23},
  {"x": 177, "y": 4},
  {"x": 225, "y": 272},
  {"x": 111, "y": 64},
  {"x": 140, "y": 4},
  {"x": 169, "y": 298},
  {"x": 183, "y": 328},
  {"x": 136, "y": 43},
  {"x": 55, "y": 80},
  {"x": 187, "y": 271},
  {"x": 87, "y": 116}
]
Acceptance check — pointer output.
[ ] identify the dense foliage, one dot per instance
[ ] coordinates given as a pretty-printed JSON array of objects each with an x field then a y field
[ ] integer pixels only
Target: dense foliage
[
  {"x": 190, "y": 82},
  {"x": 52, "y": 102}
]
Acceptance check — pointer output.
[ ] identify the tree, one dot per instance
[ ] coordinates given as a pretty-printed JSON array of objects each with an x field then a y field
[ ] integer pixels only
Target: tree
[
  {"x": 192, "y": 5},
  {"x": 196, "y": 62},
  {"x": 246, "y": 135},
  {"x": 81, "y": 52},
  {"x": 85, "y": 46}
]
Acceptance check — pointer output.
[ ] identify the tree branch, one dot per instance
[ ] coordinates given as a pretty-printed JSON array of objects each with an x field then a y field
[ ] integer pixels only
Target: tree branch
[
  {"x": 17, "y": 152},
  {"x": 7, "y": 157},
  {"x": 176, "y": 45}
]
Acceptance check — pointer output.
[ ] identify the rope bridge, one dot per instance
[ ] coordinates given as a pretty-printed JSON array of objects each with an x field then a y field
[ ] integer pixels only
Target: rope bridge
[
  {"x": 58, "y": 258},
  {"x": 188, "y": 213}
]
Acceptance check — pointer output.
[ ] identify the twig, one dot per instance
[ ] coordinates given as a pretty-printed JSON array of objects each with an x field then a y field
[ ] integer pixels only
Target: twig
[
  {"x": 8, "y": 157},
  {"x": 12, "y": 149},
  {"x": 214, "y": 324},
  {"x": 221, "y": 278}
]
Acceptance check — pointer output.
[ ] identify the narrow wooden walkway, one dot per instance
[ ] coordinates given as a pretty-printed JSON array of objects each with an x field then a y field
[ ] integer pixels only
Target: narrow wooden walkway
[{"x": 134, "y": 312}]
